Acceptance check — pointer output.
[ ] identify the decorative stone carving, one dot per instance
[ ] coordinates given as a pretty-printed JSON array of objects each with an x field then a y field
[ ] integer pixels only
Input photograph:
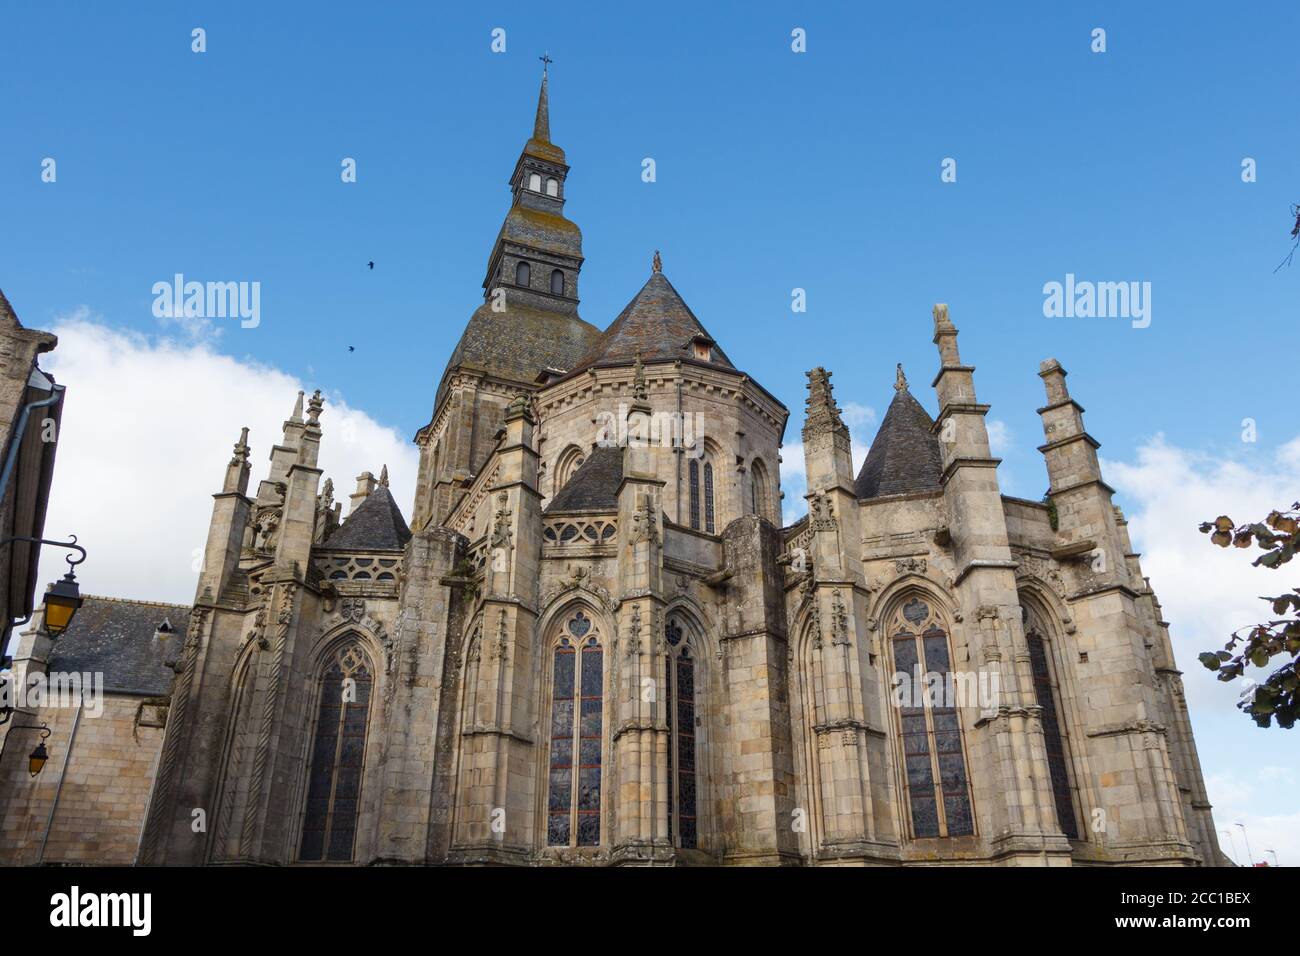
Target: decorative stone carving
[
  {"x": 823, "y": 512},
  {"x": 910, "y": 566},
  {"x": 644, "y": 526},
  {"x": 839, "y": 620},
  {"x": 579, "y": 578},
  {"x": 501, "y": 649},
  {"x": 501, "y": 533},
  {"x": 634, "y": 632},
  {"x": 352, "y": 609},
  {"x": 1043, "y": 570}
]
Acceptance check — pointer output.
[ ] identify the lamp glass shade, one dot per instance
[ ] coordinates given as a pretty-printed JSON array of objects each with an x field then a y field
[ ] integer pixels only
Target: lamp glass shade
[
  {"x": 61, "y": 603},
  {"x": 36, "y": 762}
]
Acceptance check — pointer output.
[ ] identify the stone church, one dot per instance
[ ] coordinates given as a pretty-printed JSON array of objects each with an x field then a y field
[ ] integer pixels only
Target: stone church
[{"x": 594, "y": 643}]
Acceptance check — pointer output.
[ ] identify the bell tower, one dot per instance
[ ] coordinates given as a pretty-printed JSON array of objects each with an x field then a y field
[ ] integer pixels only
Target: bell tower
[
  {"x": 526, "y": 330},
  {"x": 538, "y": 253}
]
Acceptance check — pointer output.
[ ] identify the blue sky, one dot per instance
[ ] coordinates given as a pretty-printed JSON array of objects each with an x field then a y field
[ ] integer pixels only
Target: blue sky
[{"x": 775, "y": 170}]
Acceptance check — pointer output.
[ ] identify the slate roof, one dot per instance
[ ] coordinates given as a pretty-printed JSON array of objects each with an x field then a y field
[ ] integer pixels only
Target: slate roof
[
  {"x": 904, "y": 456},
  {"x": 594, "y": 486},
  {"x": 658, "y": 324},
  {"x": 520, "y": 342},
  {"x": 117, "y": 637},
  {"x": 376, "y": 525}
]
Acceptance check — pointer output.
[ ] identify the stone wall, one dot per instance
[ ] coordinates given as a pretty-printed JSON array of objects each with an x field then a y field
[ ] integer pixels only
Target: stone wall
[{"x": 107, "y": 772}]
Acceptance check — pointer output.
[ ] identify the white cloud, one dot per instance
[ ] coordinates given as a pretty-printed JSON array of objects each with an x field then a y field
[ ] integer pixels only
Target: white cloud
[
  {"x": 148, "y": 427},
  {"x": 794, "y": 485},
  {"x": 1238, "y": 799},
  {"x": 1207, "y": 592},
  {"x": 999, "y": 436}
]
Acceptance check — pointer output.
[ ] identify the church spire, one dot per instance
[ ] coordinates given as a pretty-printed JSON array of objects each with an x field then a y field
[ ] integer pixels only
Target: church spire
[{"x": 542, "y": 125}]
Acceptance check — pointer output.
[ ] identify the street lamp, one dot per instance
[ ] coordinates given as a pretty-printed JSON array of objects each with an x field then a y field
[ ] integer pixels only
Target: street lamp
[
  {"x": 1250, "y": 857},
  {"x": 36, "y": 760},
  {"x": 63, "y": 596},
  {"x": 61, "y": 603}
]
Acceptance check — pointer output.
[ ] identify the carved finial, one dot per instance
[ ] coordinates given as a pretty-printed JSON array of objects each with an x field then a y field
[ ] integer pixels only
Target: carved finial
[
  {"x": 241, "y": 448},
  {"x": 940, "y": 313},
  {"x": 900, "y": 380},
  {"x": 383, "y": 476},
  {"x": 327, "y": 495},
  {"x": 314, "y": 406},
  {"x": 297, "y": 410},
  {"x": 657, "y": 264},
  {"x": 639, "y": 391},
  {"x": 821, "y": 408},
  {"x": 518, "y": 407}
]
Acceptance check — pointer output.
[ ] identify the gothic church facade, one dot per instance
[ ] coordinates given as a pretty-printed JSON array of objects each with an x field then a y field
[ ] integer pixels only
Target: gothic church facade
[{"x": 584, "y": 651}]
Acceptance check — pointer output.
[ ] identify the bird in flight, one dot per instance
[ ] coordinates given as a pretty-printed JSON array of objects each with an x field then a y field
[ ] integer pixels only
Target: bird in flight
[
  {"x": 351, "y": 348},
  {"x": 372, "y": 264}
]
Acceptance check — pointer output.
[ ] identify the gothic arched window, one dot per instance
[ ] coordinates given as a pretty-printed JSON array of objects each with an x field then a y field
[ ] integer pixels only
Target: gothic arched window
[
  {"x": 557, "y": 282},
  {"x": 701, "y": 498},
  {"x": 1045, "y": 689},
  {"x": 758, "y": 489},
  {"x": 570, "y": 460},
  {"x": 535, "y": 182},
  {"x": 337, "y": 758},
  {"x": 522, "y": 274},
  {"x": 934, "y": 761},
  {"x": 577, "y": 739},
  {"x": 552, "y": 187},
  {"x": 679, "y": 699}
]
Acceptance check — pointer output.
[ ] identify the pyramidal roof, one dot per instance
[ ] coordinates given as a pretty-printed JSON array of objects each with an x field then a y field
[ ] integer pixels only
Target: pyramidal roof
[
  {"x": 594, "y": 486},
  {"x": 904, "y": 456},
  {"x": 656, "y": 324},
  {"x": 376, "y": 524}
]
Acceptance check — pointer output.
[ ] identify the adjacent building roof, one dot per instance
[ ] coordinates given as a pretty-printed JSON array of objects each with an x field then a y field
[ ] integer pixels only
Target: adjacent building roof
[
  {"x": 904, "y": 456},
  {"x": 658, "y": 325},
  {"x": 376, "y": 525},
  {"x": 594, "y": 486},
  {"x": 129, "y": 642}
]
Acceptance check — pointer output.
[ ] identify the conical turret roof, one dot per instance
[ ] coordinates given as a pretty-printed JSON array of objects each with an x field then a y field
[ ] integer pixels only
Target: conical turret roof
[
  {"x": 904, "y": 456},
  {"x": 376, "y": 524},
  {"x": 658, "y": 325}
]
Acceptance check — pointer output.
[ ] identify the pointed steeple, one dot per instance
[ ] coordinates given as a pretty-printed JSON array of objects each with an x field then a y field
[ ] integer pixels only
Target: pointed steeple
[
  {"x": 542, "y": 125},
  {"x": 529, "y": 324},
  {"x": 296, "y": 416},
  {"x": 383, "y": 477}
]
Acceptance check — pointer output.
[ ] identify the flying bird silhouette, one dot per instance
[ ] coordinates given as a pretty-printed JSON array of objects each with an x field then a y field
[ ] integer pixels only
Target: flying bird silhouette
[
  {"x": 351, "y": 349},
  {"x": 372, "y": 264}
]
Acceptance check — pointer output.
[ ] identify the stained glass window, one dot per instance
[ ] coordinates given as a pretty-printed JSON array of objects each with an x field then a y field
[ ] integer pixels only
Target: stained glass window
[
  {"x": 934, "y": 762},
  {"x": 679, "y": 684},
  {"x": 695, "y": 493},
  {"x": 1057, "y": 767},
  {"x": 577, "y": 738},
  {"x": 338, "y": 756},
  {"x": 708, "y": 497}
]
